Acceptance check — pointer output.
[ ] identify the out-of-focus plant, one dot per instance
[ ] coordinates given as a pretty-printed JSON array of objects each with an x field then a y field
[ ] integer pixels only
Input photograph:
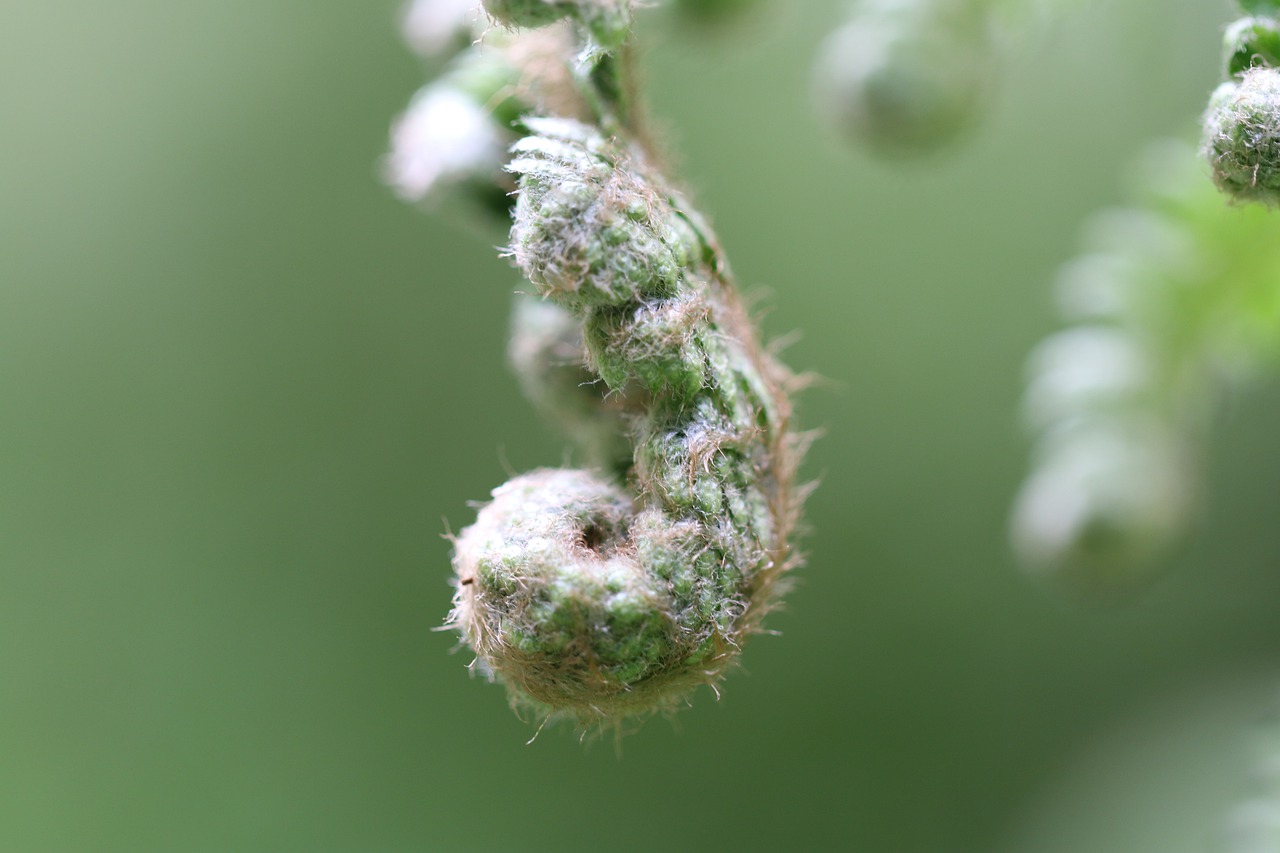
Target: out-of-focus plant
[
  {"x": 1253, "y": 826},
  {"x": 1174, "y": 301},
  {"x": 1174, "y": 305},
  {"x": 904, "y": 77},
  {"x": 907, "y": 78}
]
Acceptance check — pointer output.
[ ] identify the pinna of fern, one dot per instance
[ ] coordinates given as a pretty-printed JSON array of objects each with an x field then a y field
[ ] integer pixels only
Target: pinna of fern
[{"x": 1174, "y": 303}]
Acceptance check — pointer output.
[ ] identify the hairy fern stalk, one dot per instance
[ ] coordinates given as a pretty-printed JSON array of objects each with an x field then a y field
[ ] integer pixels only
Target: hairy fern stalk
[{"x": 611, "y": 591}]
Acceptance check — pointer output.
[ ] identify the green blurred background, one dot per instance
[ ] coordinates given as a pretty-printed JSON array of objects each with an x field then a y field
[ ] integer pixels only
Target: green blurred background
[{"x": 244, "y": 391}]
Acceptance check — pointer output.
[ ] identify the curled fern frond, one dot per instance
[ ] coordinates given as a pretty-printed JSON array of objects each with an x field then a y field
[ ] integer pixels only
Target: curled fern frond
[
  {"x": 585, "y": 597},
  {"x": 610, "y": 592},
  {"x": 1241, "y": 137},
  {"x": 906, "y": 77}
]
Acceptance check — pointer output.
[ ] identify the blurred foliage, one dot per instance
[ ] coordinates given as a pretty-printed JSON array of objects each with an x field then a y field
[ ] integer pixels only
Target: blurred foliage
[{"x": 243, "y": 385}]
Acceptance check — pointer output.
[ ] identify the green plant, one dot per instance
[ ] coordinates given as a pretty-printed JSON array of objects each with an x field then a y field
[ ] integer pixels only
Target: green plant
[
  {"x": 1174, "y": 301},
  {"x": 598, "y": 603},
  {"x": 905, "y": 77},
  {"x": 609, "y": 592},
  {"x": 1253, "y": 826},
  {"x": 1242, "y": 124}
]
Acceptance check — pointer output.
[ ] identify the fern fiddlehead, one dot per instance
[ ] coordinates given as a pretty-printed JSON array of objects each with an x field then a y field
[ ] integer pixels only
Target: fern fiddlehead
[
  {"x": 1242, "y": 124},
  {"x": 907, "y": 77},
  {"x": 611, "y": 592}
]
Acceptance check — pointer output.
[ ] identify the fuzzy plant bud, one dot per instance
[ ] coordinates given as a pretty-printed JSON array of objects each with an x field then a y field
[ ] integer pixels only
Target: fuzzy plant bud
[
  {"x": 549, "y": 359},
  {"x": 904, "y": 77},
  {"x": 1105, "y": 498},
  {"x": 558, "y": 605},
  {"x": 608, "y": 21},
  {"x": 454, "y": 139},
  {"x": 438, "y": 28},
  {"x": 1251, "y": 43},
  {"x": 1084, "y": 369},
  {"x": 587, "y": 599},
  {"x": 443, "y": 139},
  {"x": 586, "y": 232},
  {"x": 455, "y": 131},
  {"x": 1242, "y": 136}
]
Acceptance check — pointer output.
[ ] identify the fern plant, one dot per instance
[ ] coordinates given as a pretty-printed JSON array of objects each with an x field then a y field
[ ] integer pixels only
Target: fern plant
[
  {"x": 1175, "y": 302},
  {"x": 611, "y": 591}
]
